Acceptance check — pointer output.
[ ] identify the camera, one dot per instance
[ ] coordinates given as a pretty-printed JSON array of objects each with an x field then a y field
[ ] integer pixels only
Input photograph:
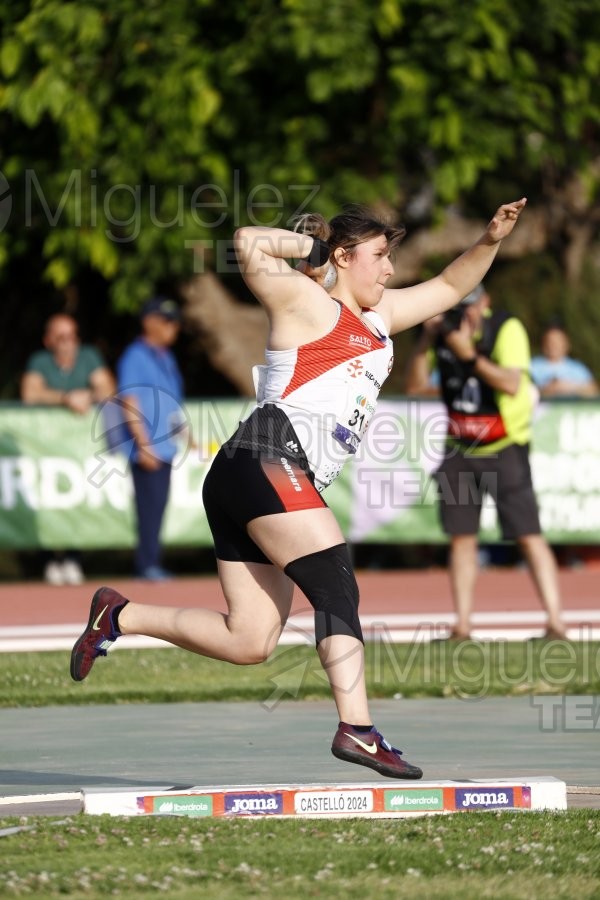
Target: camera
[{"x": 451, "y": 320}]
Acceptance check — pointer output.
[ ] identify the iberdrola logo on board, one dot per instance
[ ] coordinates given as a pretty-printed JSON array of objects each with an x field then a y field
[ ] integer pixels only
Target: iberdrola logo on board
[
  {"x": 183, "y": 805},
  {"x": 413, "y": 799}
]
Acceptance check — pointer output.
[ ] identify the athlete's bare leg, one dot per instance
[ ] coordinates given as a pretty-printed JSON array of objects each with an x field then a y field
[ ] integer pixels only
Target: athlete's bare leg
[
  {"x": 259, "y": 597},
  {"x": 343, "y": 659},
  {"x": 285, "y": 537}
]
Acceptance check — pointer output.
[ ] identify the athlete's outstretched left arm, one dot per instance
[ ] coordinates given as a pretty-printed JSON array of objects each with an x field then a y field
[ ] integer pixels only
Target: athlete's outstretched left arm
[{"x": 409, "y": 306}]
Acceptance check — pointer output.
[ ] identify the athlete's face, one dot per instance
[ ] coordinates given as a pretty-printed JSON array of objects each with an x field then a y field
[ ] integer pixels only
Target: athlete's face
[{"x": 369, "y": 268}]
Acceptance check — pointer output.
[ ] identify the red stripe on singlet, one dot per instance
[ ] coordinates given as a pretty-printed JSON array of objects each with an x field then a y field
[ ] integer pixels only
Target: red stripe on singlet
[{"x": 328, "y": 352}]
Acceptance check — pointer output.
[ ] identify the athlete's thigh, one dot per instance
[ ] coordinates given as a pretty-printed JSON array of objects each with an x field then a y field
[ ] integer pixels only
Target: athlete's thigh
[
  {"x": 258, "y": 596},
  {"x": 284, "y": 537}
]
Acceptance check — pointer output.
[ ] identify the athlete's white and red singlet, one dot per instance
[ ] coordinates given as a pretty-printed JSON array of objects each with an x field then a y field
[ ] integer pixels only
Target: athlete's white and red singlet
[{"x": 326, "y": 390}]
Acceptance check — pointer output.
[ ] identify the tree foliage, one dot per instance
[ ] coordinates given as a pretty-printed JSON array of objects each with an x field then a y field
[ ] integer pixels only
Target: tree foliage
[{"x": 131, "y": 132}]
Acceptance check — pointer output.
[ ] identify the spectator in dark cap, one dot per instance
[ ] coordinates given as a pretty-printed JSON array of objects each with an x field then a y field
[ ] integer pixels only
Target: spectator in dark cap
[
  {"x": 162, "y": 307},
  {"x": 151, "y": 393}
]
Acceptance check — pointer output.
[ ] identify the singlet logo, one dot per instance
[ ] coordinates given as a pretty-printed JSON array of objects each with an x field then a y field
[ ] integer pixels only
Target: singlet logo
[
  {"x": 355, "y": 368},
  {"x": 362, "y": 340},
  {"x": 290, "y": 473},
  {"x": 372, "y": 378},
  {"x": 365, "y": 403}
]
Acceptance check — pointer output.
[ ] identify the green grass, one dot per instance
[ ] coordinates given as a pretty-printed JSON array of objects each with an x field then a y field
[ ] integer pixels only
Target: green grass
[
  {"x": 466, "y": 855},
  {"x": 507, "y": 855},
  {"x": 413, "y": 670}
]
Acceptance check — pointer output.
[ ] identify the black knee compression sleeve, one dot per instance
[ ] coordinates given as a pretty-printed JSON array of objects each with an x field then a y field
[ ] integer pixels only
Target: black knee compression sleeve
[{"x": 327, "y": 580}]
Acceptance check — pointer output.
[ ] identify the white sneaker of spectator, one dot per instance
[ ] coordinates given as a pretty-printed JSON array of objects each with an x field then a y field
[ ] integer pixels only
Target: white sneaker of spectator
[
  {"x": 53, "y": 573},
  {"x": 72, "y": 572}
]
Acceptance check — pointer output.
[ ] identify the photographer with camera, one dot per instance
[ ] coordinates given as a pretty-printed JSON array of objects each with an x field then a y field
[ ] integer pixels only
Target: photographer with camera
[{"x": 483, "y": 360}]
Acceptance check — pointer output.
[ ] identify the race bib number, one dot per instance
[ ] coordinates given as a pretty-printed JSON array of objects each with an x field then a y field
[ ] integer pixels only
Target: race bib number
[{"x": 348, "y": 439}]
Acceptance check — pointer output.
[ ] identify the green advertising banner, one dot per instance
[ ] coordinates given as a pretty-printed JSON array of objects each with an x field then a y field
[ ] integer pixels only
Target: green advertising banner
[{"x": 65, "y": 480}]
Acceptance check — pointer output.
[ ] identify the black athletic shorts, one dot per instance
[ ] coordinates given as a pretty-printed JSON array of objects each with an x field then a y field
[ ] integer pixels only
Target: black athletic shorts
[
  {"x": 464, "y": 480},
  {"x": 243, "y": 484}
]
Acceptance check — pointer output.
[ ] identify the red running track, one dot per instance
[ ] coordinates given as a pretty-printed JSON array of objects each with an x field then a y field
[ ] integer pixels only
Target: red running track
[{"x": 505, "y": 599}]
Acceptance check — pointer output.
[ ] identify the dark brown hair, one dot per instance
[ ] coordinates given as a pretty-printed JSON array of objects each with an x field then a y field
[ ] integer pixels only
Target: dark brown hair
[
  {"x": 357, "y": 224},
  {"x": 354, "y": 225}
]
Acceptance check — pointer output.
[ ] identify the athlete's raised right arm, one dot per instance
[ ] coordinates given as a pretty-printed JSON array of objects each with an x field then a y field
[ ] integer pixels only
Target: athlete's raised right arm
[{"x": 262, "y": 254}]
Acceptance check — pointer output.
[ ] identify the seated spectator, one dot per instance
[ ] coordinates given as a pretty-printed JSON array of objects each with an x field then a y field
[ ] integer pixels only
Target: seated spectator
[
  {"x": 555, "y": 373},
  {"x": 72, "y": 375}
]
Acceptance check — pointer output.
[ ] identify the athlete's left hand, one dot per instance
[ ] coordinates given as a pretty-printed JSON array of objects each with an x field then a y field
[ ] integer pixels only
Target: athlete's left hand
[{"x": 504, "y": 220}]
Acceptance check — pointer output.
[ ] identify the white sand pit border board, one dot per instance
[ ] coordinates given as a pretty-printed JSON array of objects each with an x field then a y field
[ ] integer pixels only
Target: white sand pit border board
[{"x": 389, "y": 800}]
